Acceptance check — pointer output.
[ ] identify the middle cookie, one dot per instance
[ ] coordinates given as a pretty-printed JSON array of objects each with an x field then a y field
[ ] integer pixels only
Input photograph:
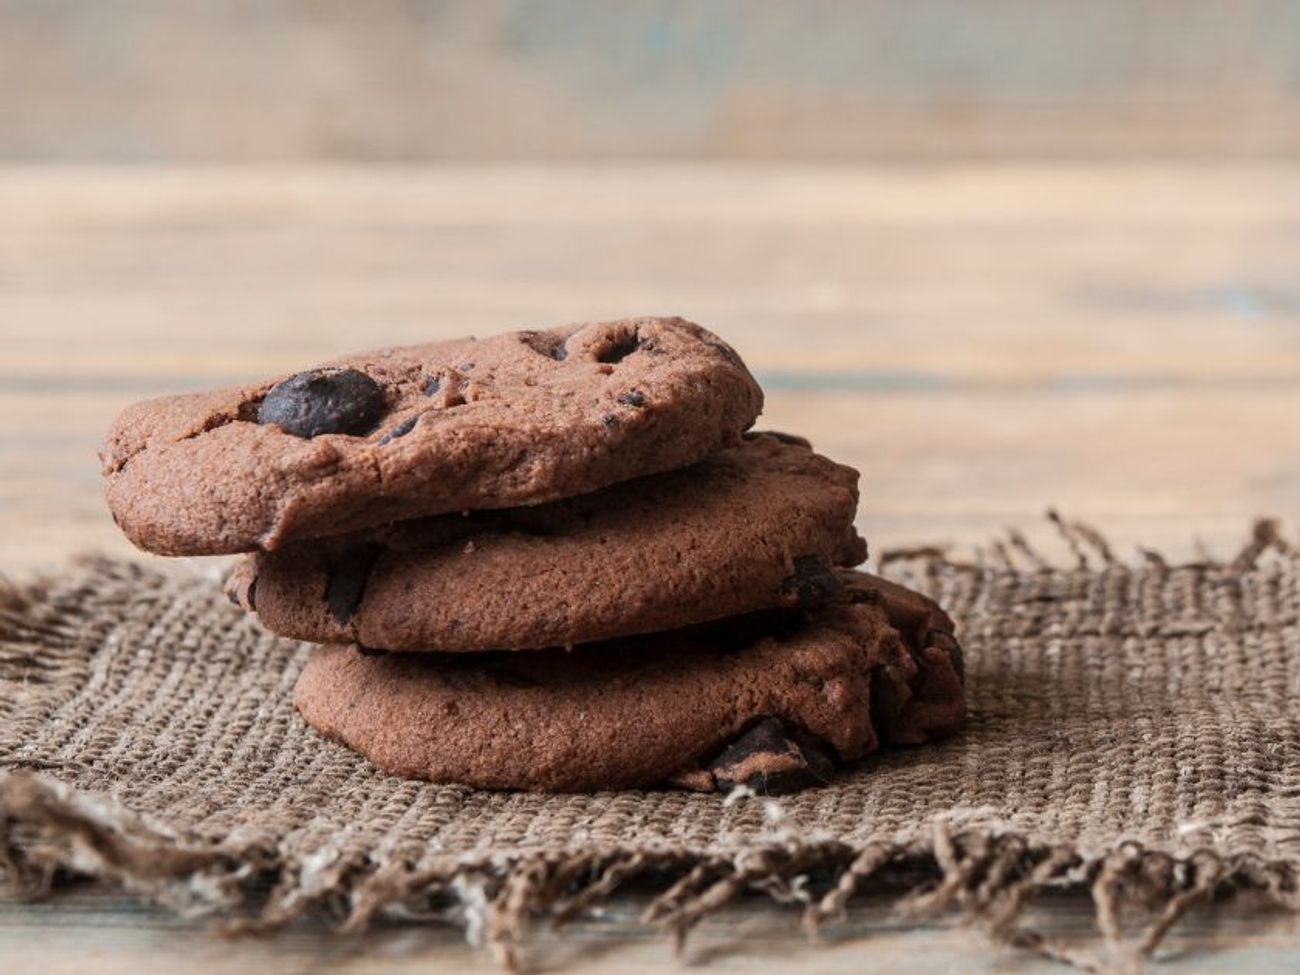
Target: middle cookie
[{"x": 754, "y": 527}]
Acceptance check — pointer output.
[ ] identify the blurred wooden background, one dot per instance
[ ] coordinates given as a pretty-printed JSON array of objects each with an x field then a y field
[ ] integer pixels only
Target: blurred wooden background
[
  {"x": 404, "y": 80},
  {"x": 981, "y": 340}
]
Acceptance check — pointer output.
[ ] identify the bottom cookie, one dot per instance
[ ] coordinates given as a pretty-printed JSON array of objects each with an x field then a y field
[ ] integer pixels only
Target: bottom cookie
[{"x": 774, "y": 701}]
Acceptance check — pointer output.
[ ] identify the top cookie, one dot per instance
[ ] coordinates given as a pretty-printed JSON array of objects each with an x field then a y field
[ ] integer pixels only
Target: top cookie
[{"x": 516, "y": 419}]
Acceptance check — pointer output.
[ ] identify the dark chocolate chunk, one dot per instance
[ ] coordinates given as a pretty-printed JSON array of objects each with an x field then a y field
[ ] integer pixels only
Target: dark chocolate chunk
[
  {"x": 632, "y": 398},
  {"x": 432, "y": 386},
  {"x": 772, "y": 760},
  {"x": 324, "y": 401},
  {"x": 813, "y": 582},
  {"x": 401, "y": 430},
  {"x": 786, "y": 438},
  {"x": 347, "y": 582}
]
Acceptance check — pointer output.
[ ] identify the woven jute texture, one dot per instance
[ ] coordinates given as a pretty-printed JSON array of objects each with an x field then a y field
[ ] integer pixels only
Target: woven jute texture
[{"x": 1134, "y": 728}]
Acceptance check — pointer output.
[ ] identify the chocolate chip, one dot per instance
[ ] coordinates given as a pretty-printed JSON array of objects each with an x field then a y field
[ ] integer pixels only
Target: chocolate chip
[
  {"x": 632, "y": 398},
  {"x": 370, "y": 651},
  {"x": 324, "y": 401},
  {"x": 786, "y": 438},
  {"x": 401, "y": 430},
  {"x": 432, "y": 386},
  {"x": 610, "y": 420},
  {"x": 347, "y": 582},
  {"x": 813, "y": 582},
  {"x": 772, "y": 760}
]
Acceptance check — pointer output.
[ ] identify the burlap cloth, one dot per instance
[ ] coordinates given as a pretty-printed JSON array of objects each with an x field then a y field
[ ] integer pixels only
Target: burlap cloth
[{"x": 1133, "y": 728}]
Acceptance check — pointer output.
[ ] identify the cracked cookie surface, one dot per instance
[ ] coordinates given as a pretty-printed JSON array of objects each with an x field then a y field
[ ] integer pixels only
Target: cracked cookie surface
[
  {"x": 754, "y": 527},
  {"x": 740, "y": 701},
  {"x": 517, "y": 419}
]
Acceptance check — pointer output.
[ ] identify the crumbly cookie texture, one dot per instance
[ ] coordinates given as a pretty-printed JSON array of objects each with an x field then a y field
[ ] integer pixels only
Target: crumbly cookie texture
[
  {"x": 517, "y": 419},
  {"x": 775, "y": 701},
  {"x": 754, "y": 527}
]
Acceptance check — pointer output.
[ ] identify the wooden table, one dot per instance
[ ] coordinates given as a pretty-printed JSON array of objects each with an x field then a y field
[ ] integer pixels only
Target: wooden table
[{"x": 1119, "y": 341}]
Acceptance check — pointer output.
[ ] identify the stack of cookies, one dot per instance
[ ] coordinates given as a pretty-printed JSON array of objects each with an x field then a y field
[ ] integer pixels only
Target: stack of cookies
[{"x": 548, "y": 560}]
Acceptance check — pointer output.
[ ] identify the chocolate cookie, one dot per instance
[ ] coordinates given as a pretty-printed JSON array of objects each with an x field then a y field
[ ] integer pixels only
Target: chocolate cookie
[
  {"x": 516, "y": 419},
  {"x": 773, "y": 700},
  {"x": 757, "y": 526}
]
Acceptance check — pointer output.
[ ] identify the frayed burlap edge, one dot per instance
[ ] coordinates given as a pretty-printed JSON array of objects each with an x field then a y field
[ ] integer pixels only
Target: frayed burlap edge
[{"x": 989, "y": 876}]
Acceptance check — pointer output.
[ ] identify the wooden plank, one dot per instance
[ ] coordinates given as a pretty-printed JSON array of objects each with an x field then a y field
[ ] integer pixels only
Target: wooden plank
[
  {"x": 407, "y": 80},
  {"x": 1004, "y": 274},
  {"x": 92, "y": 925},
  {"x": 982, "y": 341}
]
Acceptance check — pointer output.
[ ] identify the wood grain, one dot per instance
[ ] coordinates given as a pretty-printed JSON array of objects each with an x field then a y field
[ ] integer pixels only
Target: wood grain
[
  {"x": 91, "y": 926},
  {"x": 982, "y": 341},
  {"x": 153, "y": 80},
  {"x": 1122, "y": 341}
]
